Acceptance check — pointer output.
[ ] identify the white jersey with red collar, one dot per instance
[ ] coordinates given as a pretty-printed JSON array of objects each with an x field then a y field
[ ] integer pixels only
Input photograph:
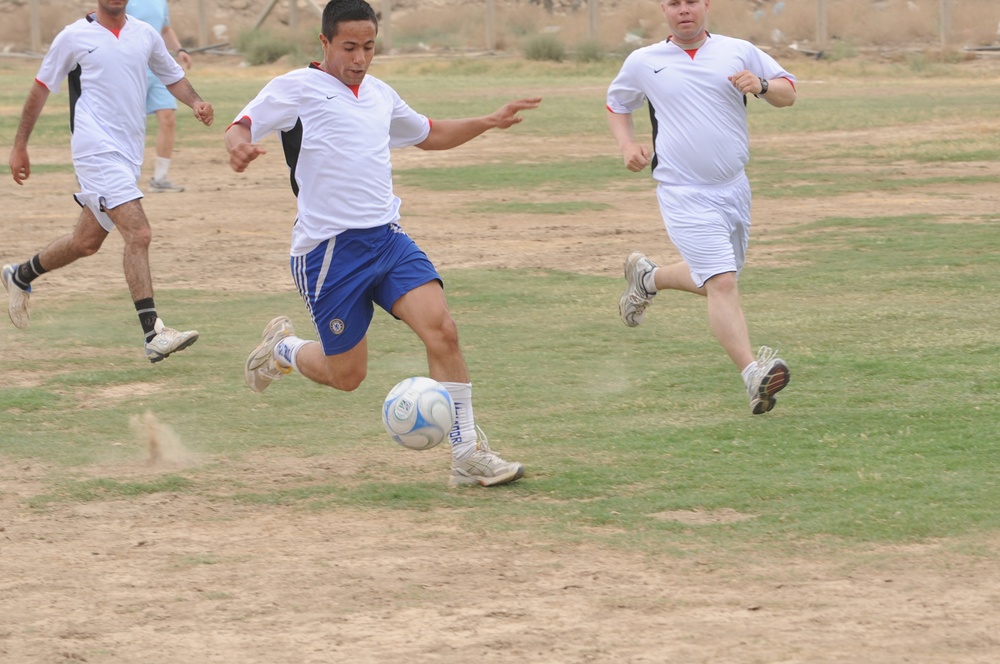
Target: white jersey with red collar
[
  {"x": 699, "y": 118},
  {"x": 107, "y": 83},
  {"x": 336, "y": 144}
]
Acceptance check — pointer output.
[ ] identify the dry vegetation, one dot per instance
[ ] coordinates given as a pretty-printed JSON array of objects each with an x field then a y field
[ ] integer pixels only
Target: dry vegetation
[{"x": 435, "y": 25}]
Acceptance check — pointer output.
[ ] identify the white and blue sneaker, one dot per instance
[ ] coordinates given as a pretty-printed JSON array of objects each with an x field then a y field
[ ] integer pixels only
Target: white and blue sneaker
[{"x": 484, "y": 468}]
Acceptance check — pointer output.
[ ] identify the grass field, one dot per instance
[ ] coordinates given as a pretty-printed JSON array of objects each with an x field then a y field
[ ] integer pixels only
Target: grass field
[{"x": 884, "y": 302}]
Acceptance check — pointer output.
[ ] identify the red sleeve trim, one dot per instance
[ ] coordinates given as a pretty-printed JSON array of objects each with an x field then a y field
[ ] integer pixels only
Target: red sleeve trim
[
  {"x": 245, "y": 121},
  {"x": 41, "y": 84}
]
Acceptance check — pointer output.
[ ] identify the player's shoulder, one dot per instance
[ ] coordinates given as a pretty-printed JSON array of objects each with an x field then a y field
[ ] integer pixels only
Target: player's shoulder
[
  {"x": 654, "y": 51},
  {"x": 82, "y": 24},
  {"x": 732, "y": 43},
  {"x": 376, "y": 83},
  {"x": 139, "y": 24},
  {"x": 78, "y": 32}
]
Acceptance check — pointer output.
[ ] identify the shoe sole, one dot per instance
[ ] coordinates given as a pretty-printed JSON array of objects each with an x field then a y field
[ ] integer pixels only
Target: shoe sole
[
  {"x": 258, "y": 357},
  {"x": 18, "y": 321},
  {"x": 507, "y": 478},
  {"x": 775, "y": 381},
  {"x": 159, "y": 358}
]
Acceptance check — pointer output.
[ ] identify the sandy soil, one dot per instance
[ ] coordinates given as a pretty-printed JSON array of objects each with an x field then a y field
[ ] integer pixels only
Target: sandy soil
[{"x": 177, "y": 578}]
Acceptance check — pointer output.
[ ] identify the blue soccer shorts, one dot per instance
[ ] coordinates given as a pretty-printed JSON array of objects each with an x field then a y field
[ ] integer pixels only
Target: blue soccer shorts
[{"x": 344, "y": 277}]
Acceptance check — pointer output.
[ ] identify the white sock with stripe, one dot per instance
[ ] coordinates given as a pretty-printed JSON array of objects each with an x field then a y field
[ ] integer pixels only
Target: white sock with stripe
[
  {"x": 463, "y": 435},
  {"x": 286, "y": 352}
]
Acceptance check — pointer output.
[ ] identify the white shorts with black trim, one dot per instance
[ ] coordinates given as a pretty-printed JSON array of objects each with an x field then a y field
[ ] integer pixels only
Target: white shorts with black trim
[{"x": 106, "y": 181}]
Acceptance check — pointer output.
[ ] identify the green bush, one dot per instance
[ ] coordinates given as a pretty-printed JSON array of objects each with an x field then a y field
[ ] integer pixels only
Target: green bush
[
  {"x": 260, "y": 47},
  {"x": 544, "y": 47},
  {"x": 589, "y": 51}
]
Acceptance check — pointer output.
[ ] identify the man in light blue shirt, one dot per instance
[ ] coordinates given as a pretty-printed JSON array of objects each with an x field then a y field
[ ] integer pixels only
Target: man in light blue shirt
[{"x": 158, "y": 100}]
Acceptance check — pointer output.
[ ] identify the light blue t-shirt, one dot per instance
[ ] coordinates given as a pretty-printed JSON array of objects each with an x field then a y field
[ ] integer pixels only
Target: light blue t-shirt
[{"x": 154, "y": 12}]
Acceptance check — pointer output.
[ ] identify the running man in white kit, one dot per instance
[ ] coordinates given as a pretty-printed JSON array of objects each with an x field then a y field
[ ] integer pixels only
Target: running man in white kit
[
  {"x": 105, "y": 57},
  {"x": 348, "y": 251},
  {"x": 697, "y": 84}
]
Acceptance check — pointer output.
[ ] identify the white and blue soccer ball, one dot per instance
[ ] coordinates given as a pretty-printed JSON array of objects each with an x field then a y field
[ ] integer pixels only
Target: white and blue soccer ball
[{"x": 418, "y": 413}]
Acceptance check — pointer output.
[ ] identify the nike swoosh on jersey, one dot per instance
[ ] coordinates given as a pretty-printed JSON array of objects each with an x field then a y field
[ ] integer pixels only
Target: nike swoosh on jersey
[
  {"x": 657, "y": 71},
  {"x": 332, "y": 96}
]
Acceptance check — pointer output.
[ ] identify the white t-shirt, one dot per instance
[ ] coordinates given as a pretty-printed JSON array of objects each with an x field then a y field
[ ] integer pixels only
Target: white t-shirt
[
  {"x": 107, "y": 82},
  {"x": 699, "y": 118},
  {"x": 337, "y": 147}
]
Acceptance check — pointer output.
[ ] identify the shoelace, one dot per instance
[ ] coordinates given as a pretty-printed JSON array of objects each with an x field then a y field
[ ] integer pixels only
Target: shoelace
[
  {"x": 272, "y": 370},
  {"x": 639, "y": 301},
  {"x": 482, "y": 442},
  {"x": 764, "y": 355}
]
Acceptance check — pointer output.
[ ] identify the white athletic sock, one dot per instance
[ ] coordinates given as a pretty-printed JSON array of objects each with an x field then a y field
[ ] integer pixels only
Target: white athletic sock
[
  {"x": 649, "y": 281},
  {"x": 747, "y": 370},
  {"x": 162, "y": 168},
  {"x": 463, "y": 436},
  {"x": 286, "y": 352}
]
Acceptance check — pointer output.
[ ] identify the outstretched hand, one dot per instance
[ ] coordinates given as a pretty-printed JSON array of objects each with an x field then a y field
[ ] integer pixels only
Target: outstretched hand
[{"x": 507, "y": 115}]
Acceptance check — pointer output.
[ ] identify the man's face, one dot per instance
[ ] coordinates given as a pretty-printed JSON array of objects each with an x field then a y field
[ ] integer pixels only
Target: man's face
[
  {"x": 112, "y": 7},
  {"x": 686, "y": 18},
  {"x": 350, "y": 52}
]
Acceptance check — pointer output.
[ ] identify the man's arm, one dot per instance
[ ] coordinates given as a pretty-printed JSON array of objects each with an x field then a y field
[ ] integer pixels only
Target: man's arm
[
  {"x": 634, "y": 155},
  {"x": 20, "y": 164},
  {"x": 240, "y": 146},
  {"x": 780, "y": 91},
  {"x": 185, "y": 93},
  {"x": 447, "y": 134},
  {"x": 174, "y": 44}
]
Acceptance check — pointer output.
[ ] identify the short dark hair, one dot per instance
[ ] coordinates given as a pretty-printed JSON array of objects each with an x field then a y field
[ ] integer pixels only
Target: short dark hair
[{"x": 341, "y": 11}]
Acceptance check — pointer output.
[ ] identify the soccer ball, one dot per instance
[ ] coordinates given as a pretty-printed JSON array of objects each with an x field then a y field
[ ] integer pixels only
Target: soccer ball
[{"x": 418, "y": 413}]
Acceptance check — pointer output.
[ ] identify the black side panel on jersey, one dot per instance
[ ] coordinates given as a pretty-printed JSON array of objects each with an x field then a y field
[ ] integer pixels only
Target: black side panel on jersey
[
  {"x": 652, "y": 121},
  {"x": 74, "y": 93},
  {"x": 291, "y": 143}
]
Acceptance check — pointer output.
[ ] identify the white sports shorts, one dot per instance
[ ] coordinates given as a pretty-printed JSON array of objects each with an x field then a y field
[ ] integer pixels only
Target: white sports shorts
[
  {"x": 709, "y": 225},
  {"x": 106, "y": 181}
]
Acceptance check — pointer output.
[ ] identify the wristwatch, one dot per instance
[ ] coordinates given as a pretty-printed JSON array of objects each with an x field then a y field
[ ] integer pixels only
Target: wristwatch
[{"x": 763, "y": 86}]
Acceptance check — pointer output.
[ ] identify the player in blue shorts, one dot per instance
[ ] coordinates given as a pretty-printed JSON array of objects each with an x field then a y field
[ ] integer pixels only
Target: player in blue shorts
[{"x": 348, "y": 252}]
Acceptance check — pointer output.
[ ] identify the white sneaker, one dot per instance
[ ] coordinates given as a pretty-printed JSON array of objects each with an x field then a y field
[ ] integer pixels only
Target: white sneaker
[
  {"x": 261, "y": 368},
  {"x": 167, "y": 341},
  {"x": 164, "y": 185},
  {"x": 635, "y": 299},
  {"x": 484, "y": 468},
  {"x": 17, "y": 298},
  {"x": 769, "y": 377}
]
